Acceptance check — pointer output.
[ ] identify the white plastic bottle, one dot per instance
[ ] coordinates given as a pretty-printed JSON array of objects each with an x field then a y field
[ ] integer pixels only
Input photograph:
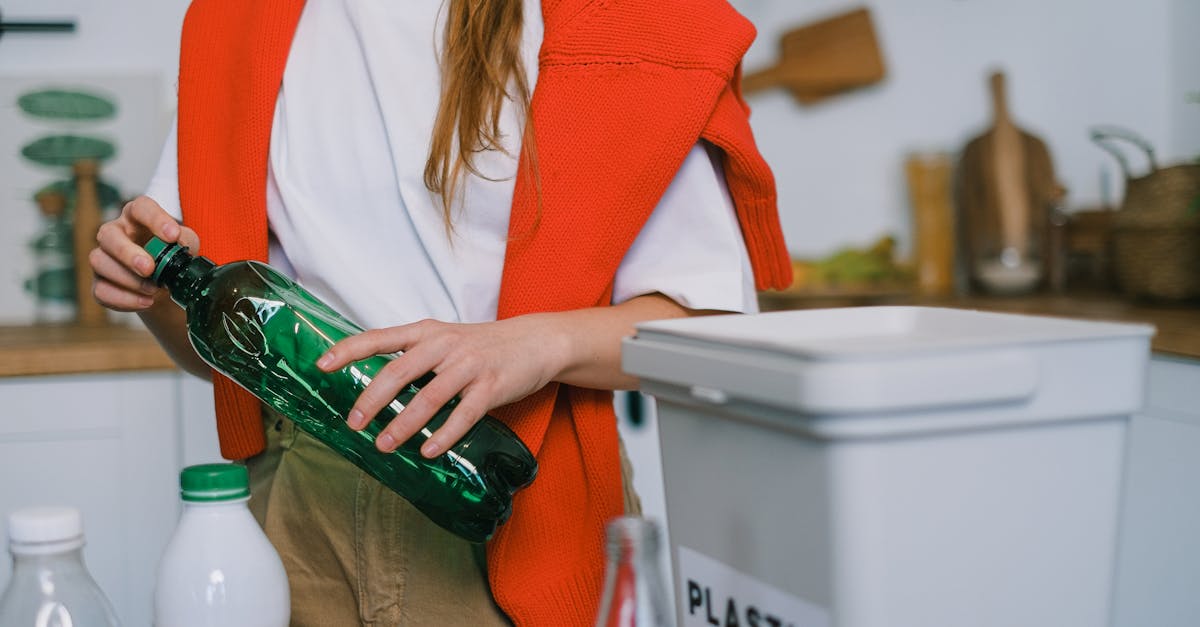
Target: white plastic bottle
[
  {"x": 219, "y": 569},
  {"x": 50, "y": 586}
]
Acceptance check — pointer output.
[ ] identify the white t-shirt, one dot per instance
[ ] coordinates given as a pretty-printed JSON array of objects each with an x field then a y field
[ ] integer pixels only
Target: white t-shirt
[{"x": 350, "y": 217}]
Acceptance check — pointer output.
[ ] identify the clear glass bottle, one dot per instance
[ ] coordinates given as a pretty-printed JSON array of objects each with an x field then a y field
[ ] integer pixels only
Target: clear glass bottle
[
  {"x": 50, "y": 585},
  {"x": 266, "y": 332},
  {"x": 633, "y": 594},
  {"x": 928, "y": 175},
  {"x": 219, "y": 567}
]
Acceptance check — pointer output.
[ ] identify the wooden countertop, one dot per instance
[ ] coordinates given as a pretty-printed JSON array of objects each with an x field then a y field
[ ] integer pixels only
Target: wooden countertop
[
  {"x": 52, "y": 349},
  {"x": 1177, "y": 326},
  {"x": 49, "y": 350}
]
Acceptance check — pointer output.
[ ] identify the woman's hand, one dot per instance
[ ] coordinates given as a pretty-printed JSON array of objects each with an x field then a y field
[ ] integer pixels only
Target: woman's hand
[
  {"x": 122, "y": 267},
  {"x": 122, "y": 271},
  {"x": 491, "y": 364},
  {"x": 488, "y": 365}
]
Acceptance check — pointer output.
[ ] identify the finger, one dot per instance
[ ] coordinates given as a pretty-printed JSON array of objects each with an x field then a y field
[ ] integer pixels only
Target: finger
[
  {"x": 367, "y": 344},
  {"x": 189, "y": 239},
  {"x": 107, "y": 268},
  {"x": 116, "y": 240},
  {"x": 144, "y": 211},
  {"x": 118, "y": 298},
  {"x": 383, "y": 389},
  {"x": 420, "y": 410},
  {"x": 468, "y": 412},
  {"x": 143, "y": 217}
]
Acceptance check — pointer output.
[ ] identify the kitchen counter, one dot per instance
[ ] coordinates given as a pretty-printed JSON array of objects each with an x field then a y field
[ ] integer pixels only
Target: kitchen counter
[
  {"x": 64, "y": 349},
  {"x": 52, "y": 350},
  {"x": 1178, "y": 326}
]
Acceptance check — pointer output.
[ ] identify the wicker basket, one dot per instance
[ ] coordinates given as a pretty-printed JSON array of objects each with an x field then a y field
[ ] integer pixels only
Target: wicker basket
[
  {"x": 1159, "y": 263},
  {"x": 1156, "y": 235}
]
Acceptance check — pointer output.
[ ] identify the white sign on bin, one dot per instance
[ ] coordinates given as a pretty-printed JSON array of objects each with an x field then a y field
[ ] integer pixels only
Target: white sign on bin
[{"x": 712, "y": 593}]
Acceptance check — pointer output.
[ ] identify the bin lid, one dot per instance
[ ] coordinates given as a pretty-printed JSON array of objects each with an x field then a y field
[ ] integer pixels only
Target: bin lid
[{"x": 859, "y": 359}]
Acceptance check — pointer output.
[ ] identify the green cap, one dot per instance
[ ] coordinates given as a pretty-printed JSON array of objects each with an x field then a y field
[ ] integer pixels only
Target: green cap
[
  {"x": 161, "y": 252},
  {"x": 214, "y": 482}
]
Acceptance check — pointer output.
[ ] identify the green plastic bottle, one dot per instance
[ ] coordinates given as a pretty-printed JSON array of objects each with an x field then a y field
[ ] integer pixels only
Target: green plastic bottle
[{"x": 266, "y": 332}]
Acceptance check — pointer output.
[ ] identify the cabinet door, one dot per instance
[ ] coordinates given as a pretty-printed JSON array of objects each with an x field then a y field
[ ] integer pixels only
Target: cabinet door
[
  {"x": 197, "y": 422},
  {"x": 1159, "y": 556},
  {"x": 108, "y": 445}
]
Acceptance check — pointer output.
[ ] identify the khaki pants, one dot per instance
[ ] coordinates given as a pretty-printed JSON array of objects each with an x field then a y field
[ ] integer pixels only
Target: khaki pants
[{"x": 355, "y": 552}]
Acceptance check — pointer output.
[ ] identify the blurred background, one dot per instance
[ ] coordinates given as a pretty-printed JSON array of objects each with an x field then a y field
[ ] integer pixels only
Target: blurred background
[
  {"x": 839, "y": 158},
  {"x": 1071, "y": 64}
]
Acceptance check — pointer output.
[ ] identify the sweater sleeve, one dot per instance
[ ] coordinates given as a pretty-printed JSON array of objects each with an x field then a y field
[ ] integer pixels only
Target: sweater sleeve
[
  {"x": 164, "y": 185},
  {"x": 691, "y": 248}
]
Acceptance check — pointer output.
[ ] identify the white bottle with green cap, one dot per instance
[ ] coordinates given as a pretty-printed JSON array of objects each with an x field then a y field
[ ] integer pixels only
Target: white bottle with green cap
[{"x": 219, "y": 569}]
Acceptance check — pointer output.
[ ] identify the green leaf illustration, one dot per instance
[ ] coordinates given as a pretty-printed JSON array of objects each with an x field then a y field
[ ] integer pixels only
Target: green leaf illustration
[
  {"x": 63, "y": 104},
  {"x": 58, "y": 150}
]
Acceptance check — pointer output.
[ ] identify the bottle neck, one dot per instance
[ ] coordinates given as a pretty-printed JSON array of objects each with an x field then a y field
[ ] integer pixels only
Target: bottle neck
[
  {"x": 633, "y": 588},
  {"x": 68, "y": 561},
  {"x": 632, "y": 541},
  {"x": 237, "y": 503},
  {"x": 183, "y": 275}
]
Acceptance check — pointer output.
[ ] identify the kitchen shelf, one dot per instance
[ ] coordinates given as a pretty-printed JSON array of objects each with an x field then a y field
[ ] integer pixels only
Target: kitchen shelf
[{"x": 66, "y": 349}]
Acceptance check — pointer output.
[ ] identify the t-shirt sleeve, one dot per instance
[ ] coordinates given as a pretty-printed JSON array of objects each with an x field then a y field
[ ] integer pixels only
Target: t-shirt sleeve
[
  {"x": 691, "y": 248},
  {"x": 164, "y": 185}
]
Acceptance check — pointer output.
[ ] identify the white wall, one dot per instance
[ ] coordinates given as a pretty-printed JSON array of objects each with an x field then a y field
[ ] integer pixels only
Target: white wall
[
  {"x": 127, "y": 49},
  {"x": 1070, "y": 64},
  {"x": 111, "y": 36},
  {"x": 1185, "y": 78}
]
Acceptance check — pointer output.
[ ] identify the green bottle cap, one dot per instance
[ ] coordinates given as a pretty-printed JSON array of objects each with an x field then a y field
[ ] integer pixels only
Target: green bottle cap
[
  {"x": 214, "y": 482},
  {"x": 161, "y": 252},
  {"x": 155, "y": 247}
]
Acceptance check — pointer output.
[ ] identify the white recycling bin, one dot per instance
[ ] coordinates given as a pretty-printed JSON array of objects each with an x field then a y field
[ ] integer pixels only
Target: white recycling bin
[{"x": 892, "y": 466}]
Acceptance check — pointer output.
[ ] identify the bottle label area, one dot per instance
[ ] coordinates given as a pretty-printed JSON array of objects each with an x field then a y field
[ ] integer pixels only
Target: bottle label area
[{"x": 712, "y": 593}]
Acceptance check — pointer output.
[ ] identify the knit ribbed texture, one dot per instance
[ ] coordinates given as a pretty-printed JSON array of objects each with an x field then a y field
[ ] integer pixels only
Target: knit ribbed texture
[
  {"x": 230, "y": 68},
  {"x": 624, "y": 90}
]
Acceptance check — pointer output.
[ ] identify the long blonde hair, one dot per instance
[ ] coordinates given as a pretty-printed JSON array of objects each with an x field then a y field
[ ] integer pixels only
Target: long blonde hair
[{"x": 481, "y": 56}]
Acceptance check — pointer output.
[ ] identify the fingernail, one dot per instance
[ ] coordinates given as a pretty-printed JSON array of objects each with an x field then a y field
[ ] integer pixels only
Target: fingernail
[
  {"x": 143, "y": 264},
  {"x": 385, "y": 443},
  {"x": 325, "y": 361},
  {"x": 355, "y": 419},
  {"x": 171, "y": 230},
  {"x": 145, "y": 302},
  {"x": 430, "y": 449},
  {"x": 149, "y": 288}
]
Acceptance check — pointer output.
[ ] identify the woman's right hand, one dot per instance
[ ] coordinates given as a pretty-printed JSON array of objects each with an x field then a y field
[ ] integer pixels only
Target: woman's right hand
[{"x": 122, "y": 267}]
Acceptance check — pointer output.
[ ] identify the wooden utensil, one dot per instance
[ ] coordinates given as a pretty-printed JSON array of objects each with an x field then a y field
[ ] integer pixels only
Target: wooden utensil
[
  {"x": 1009, "y": 175},
  {"x": 824, "y": 58},
  {"x": 86, "y": 223},
  {"x": 1005, "y": 188}
]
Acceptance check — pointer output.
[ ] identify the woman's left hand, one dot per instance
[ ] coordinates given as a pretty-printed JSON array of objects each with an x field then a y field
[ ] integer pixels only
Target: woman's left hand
[{"x": 487, "y": 364}]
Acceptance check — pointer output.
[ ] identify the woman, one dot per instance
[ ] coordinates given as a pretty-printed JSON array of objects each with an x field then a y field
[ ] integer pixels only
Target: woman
[{"x": 501, "y": 189}]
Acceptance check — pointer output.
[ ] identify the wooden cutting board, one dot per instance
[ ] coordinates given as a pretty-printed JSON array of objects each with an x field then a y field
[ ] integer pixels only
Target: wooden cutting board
[
  {"x": 824, "y": 58},
  {"x": 1005, "y": 185}
]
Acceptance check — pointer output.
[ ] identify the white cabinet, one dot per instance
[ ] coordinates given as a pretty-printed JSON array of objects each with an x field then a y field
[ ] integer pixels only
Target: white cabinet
[
  {"x": 111, "y": 445},
  {"x": 1159, "y": 560}
]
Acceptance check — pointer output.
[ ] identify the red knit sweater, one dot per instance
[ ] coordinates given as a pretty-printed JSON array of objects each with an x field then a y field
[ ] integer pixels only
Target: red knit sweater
[{"x": 624, "y": 90}]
